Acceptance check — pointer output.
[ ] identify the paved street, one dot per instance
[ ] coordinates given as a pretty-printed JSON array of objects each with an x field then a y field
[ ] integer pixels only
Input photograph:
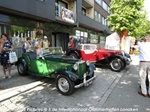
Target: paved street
[
  {"x": 110, "y": 92},
  {"x": 125, "y": 96}
]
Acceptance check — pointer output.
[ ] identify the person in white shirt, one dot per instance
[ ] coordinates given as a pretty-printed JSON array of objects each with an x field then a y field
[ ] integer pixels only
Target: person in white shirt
[
  {"x": 38, "y": 48},
  {"x": 28, "y": 45},
  {"x": 144, "y": 58}
]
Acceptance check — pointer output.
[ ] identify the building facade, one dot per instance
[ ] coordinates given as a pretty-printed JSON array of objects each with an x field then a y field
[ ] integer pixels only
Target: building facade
[{"x": 57, "y": 19}]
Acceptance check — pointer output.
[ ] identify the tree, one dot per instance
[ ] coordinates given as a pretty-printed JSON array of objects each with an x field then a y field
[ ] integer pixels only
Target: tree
[
  {"x": 143, "y": 29},
  {"x": 126, "y": 15}
]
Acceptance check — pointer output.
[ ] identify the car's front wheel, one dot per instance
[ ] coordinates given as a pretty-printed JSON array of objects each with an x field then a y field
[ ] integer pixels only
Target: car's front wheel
[
  {"x": 64, "y": 85},
  {"x": 21, "y": 69},
  {"x": 116, "y": 65}
]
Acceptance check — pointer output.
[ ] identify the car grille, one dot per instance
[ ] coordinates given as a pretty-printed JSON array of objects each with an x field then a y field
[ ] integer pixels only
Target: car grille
[{"x": 81, "y": 69}]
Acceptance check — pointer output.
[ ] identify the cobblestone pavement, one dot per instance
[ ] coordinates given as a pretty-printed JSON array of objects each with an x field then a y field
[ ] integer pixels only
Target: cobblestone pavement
[
  {"x": 30, "y": 94},
  {"x": 110, "y": 92}
]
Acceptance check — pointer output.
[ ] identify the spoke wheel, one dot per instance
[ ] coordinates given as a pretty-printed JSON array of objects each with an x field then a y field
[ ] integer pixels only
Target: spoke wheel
[
  {"x": 116, "y": 64},
  {"x": 64, "y": 85}
]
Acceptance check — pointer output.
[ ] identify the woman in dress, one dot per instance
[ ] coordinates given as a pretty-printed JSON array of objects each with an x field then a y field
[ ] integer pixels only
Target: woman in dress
[{"x": 5, "y": 48}]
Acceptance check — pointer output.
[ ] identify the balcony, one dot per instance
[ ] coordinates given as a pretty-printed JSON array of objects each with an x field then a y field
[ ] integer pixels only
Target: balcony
[
  {"x": 63, "y": 14},
  {"x": 87, "y": 3}
]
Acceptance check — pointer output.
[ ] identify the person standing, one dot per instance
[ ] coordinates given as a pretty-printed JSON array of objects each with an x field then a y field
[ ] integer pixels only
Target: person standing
[
  {"x": 135, "y": 46},
  {"x": 27, "y": 47},
  {"x": 5, "y": 48},
  {"x": 45, "y": 44},
  {"x": 71, "y": 43},
  {"x": 144, "y": 58},
  {"x": 37, "y": 47},
  {"x": 1, "y": 47}
]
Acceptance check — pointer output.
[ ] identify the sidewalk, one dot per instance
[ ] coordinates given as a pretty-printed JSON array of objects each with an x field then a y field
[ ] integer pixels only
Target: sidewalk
[
  {"x": 125, "y": 97},
  {"x": 17, "y": 84},
  {"x": 45, "y": 97},
  {"x": 13, "y": 71}
]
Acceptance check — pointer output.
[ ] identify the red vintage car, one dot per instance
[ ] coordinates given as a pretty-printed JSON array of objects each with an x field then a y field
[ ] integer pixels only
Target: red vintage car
[{"x": 116, "y": 59}]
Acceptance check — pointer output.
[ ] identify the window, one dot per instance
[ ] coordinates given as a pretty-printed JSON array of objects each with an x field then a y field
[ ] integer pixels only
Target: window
[
  {"x": 103, "y": 21},
  {"x": 108, "y": 22},
  {"x": 95, "y": 16},
  {"x": 62, "y": 4},
  {"x": 93, "y": 38},
  {"x": 108, "y": 10},
  {"x": 99, "y": 2},
  {"x": 59, "y": 5},
  {"x": 83, "y": 11},
  {"x": 105, "y": 6},
  {"x": 99, "y": 18}
]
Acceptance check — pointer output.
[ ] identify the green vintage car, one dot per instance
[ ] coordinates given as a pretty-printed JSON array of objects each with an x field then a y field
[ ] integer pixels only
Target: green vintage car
[{"x": 69, "y": 73}]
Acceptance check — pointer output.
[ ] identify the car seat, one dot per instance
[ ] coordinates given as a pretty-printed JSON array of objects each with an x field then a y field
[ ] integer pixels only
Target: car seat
[{"x": 32, "y": 55}]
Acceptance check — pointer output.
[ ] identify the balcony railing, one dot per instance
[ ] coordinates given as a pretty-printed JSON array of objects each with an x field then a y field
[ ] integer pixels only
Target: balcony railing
[{"x": 64, "y": 14}]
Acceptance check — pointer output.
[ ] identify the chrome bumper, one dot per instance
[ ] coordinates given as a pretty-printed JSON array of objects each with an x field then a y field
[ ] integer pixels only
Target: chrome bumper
[{"x": 85, "y": 82}]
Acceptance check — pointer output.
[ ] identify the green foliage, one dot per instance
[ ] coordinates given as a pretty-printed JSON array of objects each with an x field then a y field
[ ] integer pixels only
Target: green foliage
[
  {"x": 127, "y": 15},
  {"x": 19, "y": 29},
  {"x": 20, "y": 25},
  {"x": 22, "y": 22},
  {"x": 54, "y": 27},
  {"x": 39, "y": 36},
  {"x": 143, "y": 29}
]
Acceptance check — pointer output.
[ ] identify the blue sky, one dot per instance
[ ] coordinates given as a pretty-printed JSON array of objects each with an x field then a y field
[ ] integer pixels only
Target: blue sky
[{"x": 147, "y": 8}]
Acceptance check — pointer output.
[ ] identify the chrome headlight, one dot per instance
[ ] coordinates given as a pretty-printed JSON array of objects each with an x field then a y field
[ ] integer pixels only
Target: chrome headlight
[
  {"x": 75, "y": 66},
  {"x": 87, "y": 63}
]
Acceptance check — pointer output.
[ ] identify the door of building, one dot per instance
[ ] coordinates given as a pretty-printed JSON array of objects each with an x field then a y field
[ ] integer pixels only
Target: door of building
[{"x": 61, "y": 40}]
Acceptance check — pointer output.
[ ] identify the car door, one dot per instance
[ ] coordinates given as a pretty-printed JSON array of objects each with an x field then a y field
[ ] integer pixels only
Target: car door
[
  {"x": 104, "y": 53},
  {"x": 39, "y": 67}
]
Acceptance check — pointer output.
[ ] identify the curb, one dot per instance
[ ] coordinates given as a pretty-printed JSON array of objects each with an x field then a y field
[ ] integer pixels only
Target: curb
[{"x": 110, "y": 89}]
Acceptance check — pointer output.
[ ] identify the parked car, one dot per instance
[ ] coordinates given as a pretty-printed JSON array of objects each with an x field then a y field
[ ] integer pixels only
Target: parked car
[
  {"x": 116, "y": 59},
  {"x": 69, "y": 73}
]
